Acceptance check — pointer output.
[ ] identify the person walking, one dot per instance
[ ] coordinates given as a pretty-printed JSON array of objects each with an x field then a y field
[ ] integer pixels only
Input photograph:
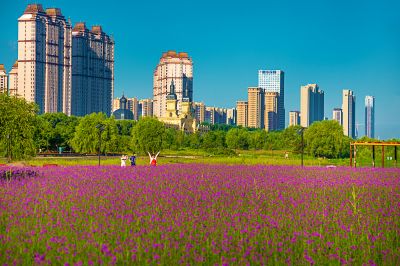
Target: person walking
[
  {"x": 133, "y": 160},
  {"x": 153, "y": 159},
  {"x": 123, "y": 160}
]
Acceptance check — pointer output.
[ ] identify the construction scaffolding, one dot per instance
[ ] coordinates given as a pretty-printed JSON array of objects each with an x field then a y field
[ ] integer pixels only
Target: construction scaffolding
[{"x": 353, "y": 151}]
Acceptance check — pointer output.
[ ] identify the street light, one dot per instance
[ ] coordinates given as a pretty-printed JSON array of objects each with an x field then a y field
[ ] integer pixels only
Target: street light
[
  {"x": 8, "y": 148},
  {"x": 301, "y": 132},
  {"x": 101, "y": 128}
]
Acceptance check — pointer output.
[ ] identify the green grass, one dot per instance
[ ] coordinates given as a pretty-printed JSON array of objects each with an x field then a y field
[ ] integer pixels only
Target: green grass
[{"x": 245, "y": 157}]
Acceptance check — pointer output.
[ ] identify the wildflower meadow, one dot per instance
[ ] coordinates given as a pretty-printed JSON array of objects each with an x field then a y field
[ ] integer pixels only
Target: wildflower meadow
[{"x": 197, "y": 214}]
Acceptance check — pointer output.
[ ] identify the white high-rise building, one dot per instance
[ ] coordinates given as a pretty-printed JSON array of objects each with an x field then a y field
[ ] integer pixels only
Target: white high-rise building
[
  {"x": 231, "y": 116},
  {"x": 349, "y": 113},
  {"x": 173, "y": 67},
  {"x": 274, "y": 81},
  {"x": 337, "y": 115},
  {"x": 145, "y": 107},
  {"x": 311, "y": 104},
  {"x": 370, "y": 116},
  {"x": 92, "y": 70},
  {"x": 44, "y": 59},
  {"x": 294, "y": 118}
]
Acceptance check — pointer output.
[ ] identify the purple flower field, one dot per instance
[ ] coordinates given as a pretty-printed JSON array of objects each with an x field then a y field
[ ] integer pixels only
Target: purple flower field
[{"x": 201, "y": 214}]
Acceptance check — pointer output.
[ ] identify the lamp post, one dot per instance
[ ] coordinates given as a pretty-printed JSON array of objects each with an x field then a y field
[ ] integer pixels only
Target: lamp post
[
  {"x": 101, "y": 128},
  {"x": 8, "y": 148},
  {"x": 301, "y": 132}
]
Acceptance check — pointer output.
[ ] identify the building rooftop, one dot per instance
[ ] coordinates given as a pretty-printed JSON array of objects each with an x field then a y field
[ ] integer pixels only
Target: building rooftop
[
  {"x": 34, "y": 8},
  {"x": 15, "y": 64},
  {"x": 80, "y": 26},
  {"x": 53, "y": 12},
  {"x": 97, "y": 29},
  {"x": 2, "y": 67},
  {"x": 174, "y": 54}
]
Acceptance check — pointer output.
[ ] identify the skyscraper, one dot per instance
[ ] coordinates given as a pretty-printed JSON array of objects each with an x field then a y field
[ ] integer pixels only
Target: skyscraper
[
  {"x": 349, "y": 113},
  {"x": 370, "y": 116},
  {"x": 3, "y": 79},
  {"x": 242, "y": 110},
  {"x": 274, "y": 81},
  {"x": 271, "y": 110},
  {"x": 337, "y": 115},
  {"x": 44, "y": 59},
  {"x": 294, "y": 118},
  {"x": 311, "y": 104},
  {"x": 255, "y": 110},
  {"x": 92, "y": 70},
  {"x": 173, "y": 67}
]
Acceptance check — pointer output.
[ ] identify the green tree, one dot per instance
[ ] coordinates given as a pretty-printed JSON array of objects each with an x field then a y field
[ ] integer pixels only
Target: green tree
[
  {"x": 86, "y": 137},
  {"x": 170, "y": 138},
  {"x": 193, "y": 140},
  {"x": 214, "y": 139},
  {"x": 326, "y": 139},
  {"x": 274, "y": 141},
  {"x": 257, "y": 139},
  {"x": 237, "y": 138},
  {"x": 17, "y": 127},
  {"x": 291, "y": 138},
  {"x": 148, "y": 135},
  {"x": 42, "y": 133},
  {"x": 61, "y": 131}
]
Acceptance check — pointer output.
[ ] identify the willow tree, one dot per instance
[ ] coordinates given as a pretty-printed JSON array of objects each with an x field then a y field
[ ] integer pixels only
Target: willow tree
[
  {"x": 148, "y": 135},
  {"x": 17, "y": 127},
  {"x": 92, "y": 130}
]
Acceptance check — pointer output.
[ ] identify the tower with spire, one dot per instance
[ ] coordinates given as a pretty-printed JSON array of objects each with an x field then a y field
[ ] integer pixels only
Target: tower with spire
[{"x": 171, "y": 102}]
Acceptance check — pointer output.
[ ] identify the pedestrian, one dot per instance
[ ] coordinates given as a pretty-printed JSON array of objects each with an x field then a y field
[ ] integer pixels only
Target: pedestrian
[
  {"x": 133, "y": 159},
  {"x": 153, "y": 159},
  {"x": 123, "y": 160},
  {"x": 286, "y": 155}
]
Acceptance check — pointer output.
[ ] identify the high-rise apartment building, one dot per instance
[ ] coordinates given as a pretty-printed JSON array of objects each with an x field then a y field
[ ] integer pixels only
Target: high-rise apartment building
[
  {"x": 231, "y": 116},
  {"x": 294, "y": 118},
  {"x": 215, "y": 115},
  {"x": 199, "y": 110},
  {"x": 274, "y": 81},
  {"x": 370, "y": 116},
  {"x": 349, "y": 113},
  {"x": 13, "y": 79},
  {"x": 145, "y": 107},
  {"x": 116, "y": 104},
  {"x": 242, "y": 113},
  {"x": 311, "y": 104},
  {"x": 337, "y": 115},
  {"x": 177, "y": 68},
  {"x": 255, "y": 112},
  {"x": 92, "y": 70},
  {"x": 133, "y": 106},
  {"x": 44, "y": 59},
  {"x": 271, "y": 105},
  {"x": 3, "y": 79}
]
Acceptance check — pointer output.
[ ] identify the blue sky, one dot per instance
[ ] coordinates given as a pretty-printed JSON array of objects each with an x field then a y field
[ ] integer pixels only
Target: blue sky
[{"x": 336, "y": 44}]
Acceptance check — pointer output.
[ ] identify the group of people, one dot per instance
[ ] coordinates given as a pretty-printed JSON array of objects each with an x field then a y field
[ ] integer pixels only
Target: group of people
[{"x": 132, "y": 159}]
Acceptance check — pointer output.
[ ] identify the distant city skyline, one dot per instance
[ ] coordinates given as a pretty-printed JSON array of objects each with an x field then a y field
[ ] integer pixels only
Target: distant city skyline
[{"x": 350, "y": 52}]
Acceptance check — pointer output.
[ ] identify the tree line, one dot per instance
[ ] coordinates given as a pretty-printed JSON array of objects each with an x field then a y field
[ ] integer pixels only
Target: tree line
[{"x": 24, "y": 133}]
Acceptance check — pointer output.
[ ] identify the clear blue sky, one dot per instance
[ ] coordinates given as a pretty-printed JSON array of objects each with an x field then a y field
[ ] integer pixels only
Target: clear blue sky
[{"x": 337, "y": 43}]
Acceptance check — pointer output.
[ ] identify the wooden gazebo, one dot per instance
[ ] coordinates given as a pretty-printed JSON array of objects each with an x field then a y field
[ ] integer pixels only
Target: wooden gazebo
[{"x": 353, "y": 151}]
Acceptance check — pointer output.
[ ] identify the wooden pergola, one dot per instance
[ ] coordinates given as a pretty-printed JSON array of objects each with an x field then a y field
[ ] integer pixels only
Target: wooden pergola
[{"x": 353, "y": 151}]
